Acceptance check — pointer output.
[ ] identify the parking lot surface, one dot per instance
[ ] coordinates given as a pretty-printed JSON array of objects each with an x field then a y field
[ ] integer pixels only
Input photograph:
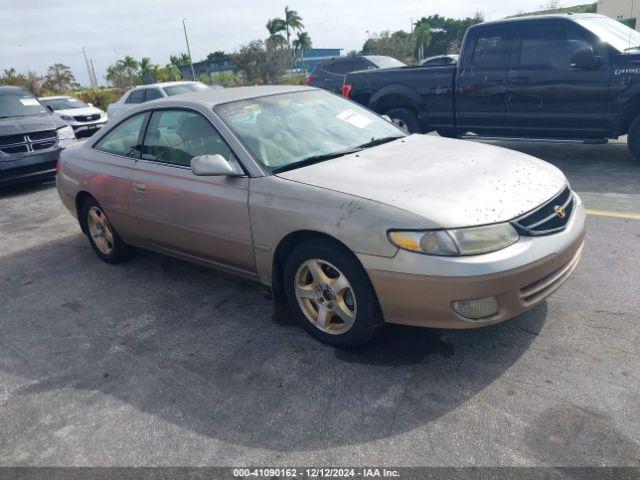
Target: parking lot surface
[{"x": 160, "y": 362}]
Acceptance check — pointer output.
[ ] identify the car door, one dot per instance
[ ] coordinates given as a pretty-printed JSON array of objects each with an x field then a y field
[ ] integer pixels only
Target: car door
[
  {"x": 115, "y": 156},
  {"x": 547, "y": 95},
  {"x": 482, "y": 92},
  {"x": 199, "y": 217}
]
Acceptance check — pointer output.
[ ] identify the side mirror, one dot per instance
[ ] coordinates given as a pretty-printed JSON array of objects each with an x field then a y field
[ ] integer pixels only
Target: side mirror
[
  {"x": 387, "y": 118},
  {"x": 212, "y": 166},
  {"x": 50, "y": 108},
  {"x": 583, "y": 58}
]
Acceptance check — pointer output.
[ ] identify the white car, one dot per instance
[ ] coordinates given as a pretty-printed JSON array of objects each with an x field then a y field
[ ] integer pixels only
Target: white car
[
  {"x": 146, "y": 93},
  {"x": 84, "y": 118}
]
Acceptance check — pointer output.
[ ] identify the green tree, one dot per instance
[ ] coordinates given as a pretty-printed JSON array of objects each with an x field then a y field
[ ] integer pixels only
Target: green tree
[
  {"x": 302, "y": 44},
  {"x": 446, "y": 32},
  {"x": 293, "y": 22},
  {"x": 275, "y": 27},
  {"x": 422, "y": 37},
  {"x": 217, "y": 55},
  {"x": 180, "y": 59},
  {"x": 124, "y": 74},
  {"x": 147, "y": 71},
  {"x": 59, "y": 79},
  {"x": 398, "y": 45},
  {"x": 259, "y": 64}
]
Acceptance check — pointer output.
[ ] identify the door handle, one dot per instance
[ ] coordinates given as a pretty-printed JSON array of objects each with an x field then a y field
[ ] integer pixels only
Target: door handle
[{"x": 140, "y": 187}]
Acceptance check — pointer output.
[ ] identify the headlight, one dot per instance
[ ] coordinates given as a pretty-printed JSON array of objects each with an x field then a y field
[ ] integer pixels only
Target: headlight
[
  {"x": 66, "y": 136},
  {"x": 458, "y": 241},
  {"x": 67, "y": 118}
]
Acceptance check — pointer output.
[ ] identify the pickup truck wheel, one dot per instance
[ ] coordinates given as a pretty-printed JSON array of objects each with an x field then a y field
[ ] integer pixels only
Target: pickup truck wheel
[
  {"x": 447, "y": 133},
  {"x": 405, "y": 119},
  {"x": 633, "y": 138}
]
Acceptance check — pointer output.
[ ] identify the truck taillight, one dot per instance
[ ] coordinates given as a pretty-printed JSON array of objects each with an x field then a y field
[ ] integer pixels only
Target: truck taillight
[
  {"x": 346, "y": 90},
  {"x": 309, "y": 80}
]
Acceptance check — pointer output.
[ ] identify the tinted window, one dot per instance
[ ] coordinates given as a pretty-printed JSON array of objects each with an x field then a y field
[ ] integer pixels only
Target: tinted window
[
  {"x": 492, "y": 49},
  {"x": 385, "y": 62},
  {"x": 360, "y": 65},
  {"x": 123, "y": 139},
  {"x": 342, "y": 68},
  {"x": 549, "y": 47},
  {"x": 153, "y": 94},
  {"x": 137, "y": 96},
  {"x": 176, "y": 136}
]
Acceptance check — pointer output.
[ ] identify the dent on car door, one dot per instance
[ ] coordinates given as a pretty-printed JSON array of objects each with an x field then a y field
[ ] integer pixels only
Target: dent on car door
[
  {"x": 198, "y": 216},
  {"x": 114, "y": 158}
]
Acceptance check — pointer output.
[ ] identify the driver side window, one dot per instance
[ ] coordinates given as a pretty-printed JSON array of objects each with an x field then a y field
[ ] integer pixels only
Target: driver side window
[{"x": 176, "y": 136}]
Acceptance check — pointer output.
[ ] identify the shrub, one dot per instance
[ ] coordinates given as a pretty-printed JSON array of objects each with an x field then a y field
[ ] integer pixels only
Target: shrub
[{"x": 99, "y": 97}]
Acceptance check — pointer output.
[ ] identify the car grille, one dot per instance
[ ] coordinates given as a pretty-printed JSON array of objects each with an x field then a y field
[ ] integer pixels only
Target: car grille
[
  {"x": 551, "y": 217},
  {"x": 30, "y": 142},
  {"x": 87, "y": 118}
]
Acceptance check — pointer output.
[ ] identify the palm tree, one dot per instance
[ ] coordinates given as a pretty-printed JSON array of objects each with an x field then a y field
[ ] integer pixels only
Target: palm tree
[
  {"x": 146, "y": 70},
  {"x": 292, "y": 22},
  {"x": 302, "y": 43},
  {"x": 275, "y": 26},
  {"x": 422, "y": 37}
]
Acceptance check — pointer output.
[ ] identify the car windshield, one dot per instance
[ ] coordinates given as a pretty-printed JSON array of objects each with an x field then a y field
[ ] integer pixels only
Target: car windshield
[
  {"x": 616, "y": 34},
  {"x": 293, "y": 129},
  {"x": 385, "y": 62},
  {"x": 184, "y": 88},
  {"x": 19, "y": 103},
  {"x": 64, "y": 103}
]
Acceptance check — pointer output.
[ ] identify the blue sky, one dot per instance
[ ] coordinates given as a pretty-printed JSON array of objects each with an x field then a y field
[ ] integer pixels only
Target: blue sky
[{"x": 37, "y": 33}]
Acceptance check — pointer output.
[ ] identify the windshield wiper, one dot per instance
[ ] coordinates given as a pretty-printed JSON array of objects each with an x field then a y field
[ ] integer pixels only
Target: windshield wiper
[
  {"x": 378, "y": 141},
  {"x": 316, "y": 159}
]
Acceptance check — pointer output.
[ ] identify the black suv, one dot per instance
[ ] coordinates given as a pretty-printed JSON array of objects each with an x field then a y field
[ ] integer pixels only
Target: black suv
[
  {"x": 330, "y": 75},
  {"x": 31, "y": 137}
]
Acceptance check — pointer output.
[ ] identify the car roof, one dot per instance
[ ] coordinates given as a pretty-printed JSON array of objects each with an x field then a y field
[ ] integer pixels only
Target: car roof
[
  {"x": 55, "y": 97},
  {"x": 547, "y": 16},
  {"x": 13, "y": 88},
  {"x": 164, "y": 84},
  {"x": 212, "y": 97}
]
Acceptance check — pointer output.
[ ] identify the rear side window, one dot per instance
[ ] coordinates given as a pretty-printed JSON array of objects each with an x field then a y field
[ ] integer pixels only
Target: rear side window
[
  {"x": 123, "y": 139},
  {"x": 360, "y": 65},
  {"x": 342, "y": 68},
  {"x": 176, "y": 136},
  {"x": 152, "y": 94},
  {"x": 137, "y": 96},
  {"x": 549, "y": 47},
  {"x": 492, "y": 49}
]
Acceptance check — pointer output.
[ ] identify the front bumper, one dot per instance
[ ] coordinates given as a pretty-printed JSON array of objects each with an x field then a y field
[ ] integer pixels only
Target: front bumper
[
  {"x": 87, "y": 127},
  {"x": 26, "y": 168},
  {"x": 520, "y": 277}
]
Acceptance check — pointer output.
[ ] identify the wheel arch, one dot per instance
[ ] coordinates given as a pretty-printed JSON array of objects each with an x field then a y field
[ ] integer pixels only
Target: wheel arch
[
  {"x": 81, "y": 197},
  {"x": 396, "y": 96},
  {"x": 286, "y": 245}
]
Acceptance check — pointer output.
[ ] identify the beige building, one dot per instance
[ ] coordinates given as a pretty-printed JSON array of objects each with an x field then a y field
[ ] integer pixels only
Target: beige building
[{"x": 624, "y": 10}]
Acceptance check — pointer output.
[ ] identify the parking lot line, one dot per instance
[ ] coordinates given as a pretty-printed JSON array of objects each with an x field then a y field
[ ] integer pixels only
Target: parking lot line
[{"x": 607, "y": 213}]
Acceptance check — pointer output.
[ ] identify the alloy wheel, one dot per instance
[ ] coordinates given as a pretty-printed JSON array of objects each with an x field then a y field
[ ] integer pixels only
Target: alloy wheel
[{"x": 100, "y": 230}]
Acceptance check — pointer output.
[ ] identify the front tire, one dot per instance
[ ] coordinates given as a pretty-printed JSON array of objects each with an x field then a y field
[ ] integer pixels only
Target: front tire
[
  {"x": 404, "y": 118},
  {"x": 103, "y": 238},
  {"x": 633, "y": 138},
  {"x": 330, "y": 294}
]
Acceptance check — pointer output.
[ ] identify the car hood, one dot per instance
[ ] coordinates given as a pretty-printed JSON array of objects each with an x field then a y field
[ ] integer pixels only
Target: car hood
[
  {"x": 34, "y": 123},
  {"x": 451, "y": 183},
  {"x": 74, "y": 112}
]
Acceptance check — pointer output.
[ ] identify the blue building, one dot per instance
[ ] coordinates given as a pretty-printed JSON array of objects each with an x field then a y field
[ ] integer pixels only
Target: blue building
[
  {"x": 208, "y": 67},
  {"x": 314, "y": 57}
]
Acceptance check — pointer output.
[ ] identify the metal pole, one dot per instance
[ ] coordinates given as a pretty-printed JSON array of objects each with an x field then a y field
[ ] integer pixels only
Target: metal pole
[
  {"x": 186, "y": 37},
  {"x": 86, "y": 61},
  {"x": 93, "y": 73}
]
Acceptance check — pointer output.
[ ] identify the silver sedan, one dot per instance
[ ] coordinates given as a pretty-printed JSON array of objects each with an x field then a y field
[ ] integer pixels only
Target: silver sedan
[{"x": 348, "y": 219}]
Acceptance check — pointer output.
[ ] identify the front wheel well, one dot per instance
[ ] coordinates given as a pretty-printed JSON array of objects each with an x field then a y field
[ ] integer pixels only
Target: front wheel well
[
  {"x": 286, "y": 246},
  {"x": 82, "y": 197}
]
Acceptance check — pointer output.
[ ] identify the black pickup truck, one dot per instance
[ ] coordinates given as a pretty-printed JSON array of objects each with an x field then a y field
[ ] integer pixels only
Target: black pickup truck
[{"x": 570, "y": 78}]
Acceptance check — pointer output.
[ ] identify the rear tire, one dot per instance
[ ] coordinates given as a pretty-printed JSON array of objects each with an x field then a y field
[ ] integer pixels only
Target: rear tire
[
  {"x": 103, "y": 238},
  {"x": 633, "y": 138},
  {"x": 405, "y": 119},
  {"x": 330, "y": 295}
]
